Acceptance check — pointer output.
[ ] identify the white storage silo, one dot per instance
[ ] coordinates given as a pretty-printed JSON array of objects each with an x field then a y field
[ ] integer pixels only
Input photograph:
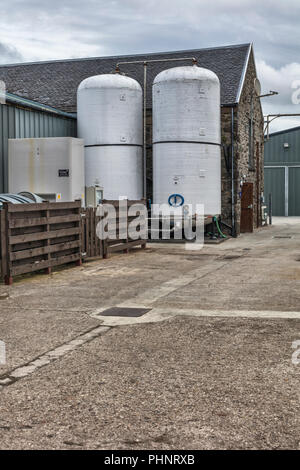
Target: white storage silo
[
  {"x": 187, "y": 138},
  {"x": 110, "y": 120}
]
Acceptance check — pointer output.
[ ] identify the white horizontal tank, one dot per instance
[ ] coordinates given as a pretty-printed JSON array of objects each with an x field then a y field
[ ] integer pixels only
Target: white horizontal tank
[
  {"x": 187, "y": 139},
  {"x": 52, "y": 167},
  {"x": 110, "y": 120}
]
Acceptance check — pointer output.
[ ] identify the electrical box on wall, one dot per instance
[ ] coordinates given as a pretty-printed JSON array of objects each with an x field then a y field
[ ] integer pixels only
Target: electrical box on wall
[
  {"x": 50, "y": 167},
  {"x": 93, "y": 196}
]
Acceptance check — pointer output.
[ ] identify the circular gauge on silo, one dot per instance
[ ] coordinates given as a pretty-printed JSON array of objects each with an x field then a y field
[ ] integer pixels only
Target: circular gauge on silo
[{"x": 176, "y": 200}]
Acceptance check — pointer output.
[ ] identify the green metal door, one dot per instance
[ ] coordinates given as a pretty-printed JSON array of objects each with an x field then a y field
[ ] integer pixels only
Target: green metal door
[
  {"x": 294, "y": 191},
  {"x": 275, "y": 184}
]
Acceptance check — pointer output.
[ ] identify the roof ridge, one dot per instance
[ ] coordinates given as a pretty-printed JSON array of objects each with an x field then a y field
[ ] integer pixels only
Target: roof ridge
[{"x": 81, "y": 59}]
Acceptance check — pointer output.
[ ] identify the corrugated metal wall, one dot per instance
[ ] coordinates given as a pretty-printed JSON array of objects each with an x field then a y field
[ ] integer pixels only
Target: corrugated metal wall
[
  {"x": 7, "y": 131},
  {"x": 276, "y": 154},
  {"x": 275, "y": 185},
  {"x": 294, "y": 191},
  {"x": 16, "y": 122},
  {"x": 282, "y": 172}
]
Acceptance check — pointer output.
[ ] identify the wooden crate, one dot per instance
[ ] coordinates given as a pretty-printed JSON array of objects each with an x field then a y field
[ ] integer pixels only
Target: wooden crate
[
  {"x": 114, "y": 243},
  {"x": 92, "y": 246},
  {"x": 39, "y": 236}
]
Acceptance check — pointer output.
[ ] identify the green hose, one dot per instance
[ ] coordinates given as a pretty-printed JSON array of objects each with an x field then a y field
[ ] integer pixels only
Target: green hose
[{"x": 218, "y": 227}]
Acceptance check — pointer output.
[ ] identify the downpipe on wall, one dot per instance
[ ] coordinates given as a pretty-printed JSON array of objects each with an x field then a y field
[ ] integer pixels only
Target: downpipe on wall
[{"x": 233, "y": 221}]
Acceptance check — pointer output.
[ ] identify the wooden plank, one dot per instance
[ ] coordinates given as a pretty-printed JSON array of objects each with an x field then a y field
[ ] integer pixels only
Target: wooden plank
[
  {"x": 123, "y": 246},
  {"x": 116, "y": 218},
  {"x": 78, "y": 223},
  {"x": 83, "y": 240},
  {"x": 61, "y": 212},
  {"x": 99, "y": 242},
  {"x": 47, "y": 243},
  {"x": 129, "y": 202},
  {"x": 3, "y": 242},
  {"x": 8, "y": 275},
  {"x": 31, "y": 267},
  {"x": 43, "y": 250},
  {"x": 28, "y": 222},
  {"x": 43, "y": 206},
  {"x": 15, "y": 239}
]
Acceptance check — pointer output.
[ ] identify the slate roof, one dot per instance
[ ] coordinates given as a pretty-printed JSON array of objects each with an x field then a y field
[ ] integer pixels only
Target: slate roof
[{"x": 55, "y": 83}]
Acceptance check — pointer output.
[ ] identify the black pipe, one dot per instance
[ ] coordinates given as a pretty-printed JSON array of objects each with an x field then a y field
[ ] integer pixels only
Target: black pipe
[
  {"x": 270, "y": 209},
  {"x": 233, "y": 230}
]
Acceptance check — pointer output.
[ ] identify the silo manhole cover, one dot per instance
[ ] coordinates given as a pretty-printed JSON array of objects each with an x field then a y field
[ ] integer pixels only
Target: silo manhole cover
[{"x": 125, "y": 312}]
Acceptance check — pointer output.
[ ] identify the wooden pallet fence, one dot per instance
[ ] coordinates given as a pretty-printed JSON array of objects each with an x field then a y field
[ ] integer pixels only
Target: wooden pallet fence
[
  {"x": 113, "y": 243},
  {"x": 39, "y": 236},
  {"x": 2, "y": 244},
  {"x": 92, "y": 246}
]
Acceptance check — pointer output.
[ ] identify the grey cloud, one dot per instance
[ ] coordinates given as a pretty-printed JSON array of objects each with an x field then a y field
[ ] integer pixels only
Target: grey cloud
[
  {"x": 9, "y": 54},
  {"x": 43, "y": 30}
]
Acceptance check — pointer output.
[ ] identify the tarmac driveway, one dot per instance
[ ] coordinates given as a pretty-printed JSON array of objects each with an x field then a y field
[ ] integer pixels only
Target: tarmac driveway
[{"x": 209, "y": 366}]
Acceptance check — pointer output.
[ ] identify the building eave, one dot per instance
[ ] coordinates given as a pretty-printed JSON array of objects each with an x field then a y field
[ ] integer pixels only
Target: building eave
[
  {"x": 284, "y": 131},
  {"x": 15, "y": 99},
  {"x": 243, "y": 76}
]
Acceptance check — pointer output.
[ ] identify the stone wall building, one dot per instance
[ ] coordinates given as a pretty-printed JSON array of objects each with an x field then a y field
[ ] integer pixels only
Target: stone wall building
[
  {"x": 55, "y": 84},
  {"x": 247, "y": 148}
]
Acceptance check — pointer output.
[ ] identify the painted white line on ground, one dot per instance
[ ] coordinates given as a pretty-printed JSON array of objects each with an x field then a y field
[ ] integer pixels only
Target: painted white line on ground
[
  {"x": 23, "y": 371},
  {"x": 161, "y": 314}
]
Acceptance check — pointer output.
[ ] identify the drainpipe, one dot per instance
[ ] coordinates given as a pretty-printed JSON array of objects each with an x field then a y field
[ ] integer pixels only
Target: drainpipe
[
  {"x": 145, "y": 131},
  {"x": 233, "y": 231}
]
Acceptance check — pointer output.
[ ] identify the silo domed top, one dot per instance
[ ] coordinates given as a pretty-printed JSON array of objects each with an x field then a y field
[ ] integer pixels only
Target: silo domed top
[
  {"x": 109, "y": 80},
  {"x": 190, "y": 72}
]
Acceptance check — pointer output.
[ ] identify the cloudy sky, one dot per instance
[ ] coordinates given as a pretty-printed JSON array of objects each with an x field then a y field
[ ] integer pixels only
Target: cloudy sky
[{"x": 43, "y": 30}]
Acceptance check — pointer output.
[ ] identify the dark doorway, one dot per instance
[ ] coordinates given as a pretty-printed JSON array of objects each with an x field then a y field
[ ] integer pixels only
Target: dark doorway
[{"x": 247, "y": 208}]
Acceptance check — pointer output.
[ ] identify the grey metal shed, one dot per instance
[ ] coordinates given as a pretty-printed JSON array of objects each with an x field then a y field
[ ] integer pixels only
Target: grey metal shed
[
  {"x": 282, "y": 172},
  {"x": 22, "y": 118}
]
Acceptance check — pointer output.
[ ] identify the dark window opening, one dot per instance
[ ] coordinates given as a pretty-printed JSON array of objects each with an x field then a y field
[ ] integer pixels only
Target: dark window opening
[{"x": 250, "y": 145}]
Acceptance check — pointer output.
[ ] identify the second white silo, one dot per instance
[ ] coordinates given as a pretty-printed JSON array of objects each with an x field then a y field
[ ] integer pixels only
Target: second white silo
[
  {"x": 110, "y": 120},
  {"x": 187, "y": 139}
]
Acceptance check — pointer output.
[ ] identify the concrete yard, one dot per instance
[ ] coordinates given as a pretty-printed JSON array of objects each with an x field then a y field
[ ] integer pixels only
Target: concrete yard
[{"x": 208, "y": 367}]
